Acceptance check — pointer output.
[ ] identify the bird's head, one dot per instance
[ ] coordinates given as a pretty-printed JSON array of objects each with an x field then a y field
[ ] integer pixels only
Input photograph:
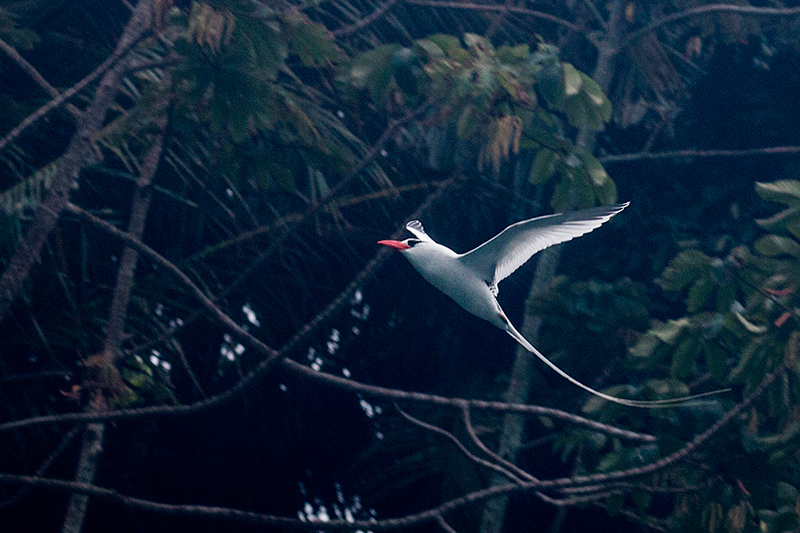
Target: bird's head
[{"x": 401, "y": 245}]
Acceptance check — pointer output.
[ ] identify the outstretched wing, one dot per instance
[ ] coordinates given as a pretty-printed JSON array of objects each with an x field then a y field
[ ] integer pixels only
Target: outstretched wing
[
  {"x": 498, "y": 257},
  {"x": 415, "y": 227}
]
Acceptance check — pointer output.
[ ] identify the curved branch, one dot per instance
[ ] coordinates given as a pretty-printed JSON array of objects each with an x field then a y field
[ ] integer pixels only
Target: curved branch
[
  {"x": 31, "y": 71},
  {"x": 18, "y": 268},
  {"x": 463, "y": 449},
  {"x": 424, "y": 516},
  {"x": 713, "y": 8},
  {"x": 502, "y": 8},
  {"x": 459, "y": 403},
  {"x": 365, "y": 21},
  {"x": 641, "y": 156}
]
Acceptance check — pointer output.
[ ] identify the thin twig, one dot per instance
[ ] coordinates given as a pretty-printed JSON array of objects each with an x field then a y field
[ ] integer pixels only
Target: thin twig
[
  {"x": 31, "y": 71},
  {"x": 465, "y": 414},
  {"x": 494, "y": 7},
  {"x": 412, "y": 519},
  {"x": 640, "y": 156},
  {"x": 463, "y": 449},
  {"x": 713, "y": 8},
  {"x": 364, "y": 21}
]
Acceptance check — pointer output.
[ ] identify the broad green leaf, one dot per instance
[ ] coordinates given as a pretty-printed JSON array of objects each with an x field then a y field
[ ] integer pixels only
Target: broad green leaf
[
  {"x": 684, "y": 358},
  {"x": 543, "y": 166},
  {"x": 781, "y": 191},
  {"x": 312, "y": 42},
  {"x": 468, "y": 123},
  {"x": 700, "y": 294},
  {"x": 447, "y": 43},
  {"x": 607, "y": 192},
  {"x": 475, "y": 41},
  {"x": 513, "y": 54},
  {"x": 572, "y": 79},
  {"x": 577, "y": 115},
  {"x": 716, "y": 360},
  {"x": 683, "y": 269},
  {"x": 772, "y": 245},
  {"x": 594, "y": 169},
  {"x": 550, "y": 84},
  {"x": 432, "y": 50},
  {"x": 669, "y": 331},
  {"x": 779, "y": 220},
  {"x": 372, "y": 70},
  {"x": 593, "y": 90},
  {"x": 645, "y": 346}
]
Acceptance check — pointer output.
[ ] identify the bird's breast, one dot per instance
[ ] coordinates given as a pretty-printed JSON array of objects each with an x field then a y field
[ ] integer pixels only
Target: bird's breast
[{"x": 443, "y": 269}]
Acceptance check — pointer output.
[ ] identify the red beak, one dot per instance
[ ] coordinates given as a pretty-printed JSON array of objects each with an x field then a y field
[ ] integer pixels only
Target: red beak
[{"x": 395, "y": 244}]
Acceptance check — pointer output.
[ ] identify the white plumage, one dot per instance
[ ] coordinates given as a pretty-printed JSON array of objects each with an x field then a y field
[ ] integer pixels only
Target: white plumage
[{"x": 471, "y": 279}]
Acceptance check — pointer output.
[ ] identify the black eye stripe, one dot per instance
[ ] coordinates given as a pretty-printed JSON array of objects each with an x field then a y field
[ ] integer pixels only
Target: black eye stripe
[{"x": 413, "y": 242}]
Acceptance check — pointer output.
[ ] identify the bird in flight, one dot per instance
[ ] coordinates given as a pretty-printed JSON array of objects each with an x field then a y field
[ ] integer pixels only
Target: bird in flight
[{"x": 471, "y": 279}]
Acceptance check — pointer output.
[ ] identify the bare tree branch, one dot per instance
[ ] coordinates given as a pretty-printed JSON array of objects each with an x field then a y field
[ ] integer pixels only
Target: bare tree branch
[
  {"x": 31, "y": 71},
  {"x": 692, "y": 153},
  {"x": 497, "y": 7},
  {"x": 424, "y": 516},
  {"x": 365, "y": 21},
  {"x": 47, "y": 213},
  {"x": 463, "y": 449},
  {"x": 465, "y": 413},
  {"x": 66, "y": 440},
  {"x": 713, "y": 8},
  {"x": 271, "y": 355}
]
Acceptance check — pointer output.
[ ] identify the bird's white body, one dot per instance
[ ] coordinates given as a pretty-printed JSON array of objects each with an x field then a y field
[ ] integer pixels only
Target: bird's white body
[
  {"x": 471, "y": 279},
  {"x": 444, "y": 269}
]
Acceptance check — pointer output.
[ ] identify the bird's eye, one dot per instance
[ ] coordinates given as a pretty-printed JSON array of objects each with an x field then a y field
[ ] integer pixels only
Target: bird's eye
[{"x": 412, "y": 242}]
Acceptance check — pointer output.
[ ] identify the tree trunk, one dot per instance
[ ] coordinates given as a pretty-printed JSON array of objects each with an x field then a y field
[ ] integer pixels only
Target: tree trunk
[
  {"x": 91, "y": 450},
  {"x": 69, "y": 166},
  {"x": 523, "y": 371}
]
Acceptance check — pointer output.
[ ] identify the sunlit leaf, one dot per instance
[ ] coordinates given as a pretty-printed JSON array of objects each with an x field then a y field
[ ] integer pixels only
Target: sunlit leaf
[
  {"x": 572, "y": 80},
  {"x": 543, "y": 166},
  {"x": 773, "y": 245},
  {"x": 446, "y": 43},
  {"x": 782, "y": 191}
]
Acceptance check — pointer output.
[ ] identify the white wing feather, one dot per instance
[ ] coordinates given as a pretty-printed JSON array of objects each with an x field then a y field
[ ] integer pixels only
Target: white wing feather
[
  {"x": 415, "y": 227},
  {"x": 499, "y": 257}
]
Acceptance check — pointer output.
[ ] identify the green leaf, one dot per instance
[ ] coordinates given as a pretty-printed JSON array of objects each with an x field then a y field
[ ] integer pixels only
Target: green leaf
[
  {"x": 312, "y": 42},
  {"x": 431, "y": 49},
  {"x": 594, "y": 169},
  {"x": 572, "y": 80},
  {"x": 447, "y": 43},
  {"x": 372, "y": 70},
  {"x": 685, "y": 268},
  {"x": 684, "y": 358},
  {"x": 773, "y": 245},
  {"x": 781, "y": 220},
  {"x": 781, "y": 191},
  {"x": 513, "y": 54},
  {"x": 645, "y": 346},
  {"x": 468, "y": 123},
  {"x": 543, "y": 167},
  {"x": 550, "y": 84},
  {"x": 700, "y": 294},
  {"x": 607, "y": 192},
  {"x": 593, "y": 91},
  {"x": 577, "y": 114},
  {"x": 716, "y": 360},
  {"x": 669, "y": 331},
  {"x": 476, "y": 42}
]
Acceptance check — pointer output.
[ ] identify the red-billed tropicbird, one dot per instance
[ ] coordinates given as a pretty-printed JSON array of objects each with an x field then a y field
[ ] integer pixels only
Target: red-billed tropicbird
[{"x": 471, "y": 279}]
